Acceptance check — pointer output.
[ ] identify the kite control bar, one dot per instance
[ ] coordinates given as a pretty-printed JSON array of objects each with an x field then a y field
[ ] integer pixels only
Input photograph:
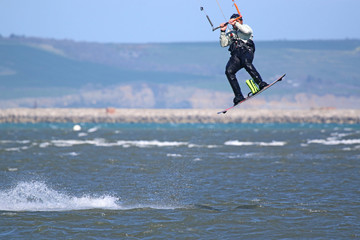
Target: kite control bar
[
  {"x": 212, "y": 25},
  {"x": 225, "y": 24}
]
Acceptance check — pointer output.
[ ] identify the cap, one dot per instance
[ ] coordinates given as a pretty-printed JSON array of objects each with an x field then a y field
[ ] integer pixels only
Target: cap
[{"x": 235, "y": 15}]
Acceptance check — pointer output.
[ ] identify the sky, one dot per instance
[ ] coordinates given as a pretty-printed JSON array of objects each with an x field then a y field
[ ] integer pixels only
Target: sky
[{"x": 159, "y": 21}]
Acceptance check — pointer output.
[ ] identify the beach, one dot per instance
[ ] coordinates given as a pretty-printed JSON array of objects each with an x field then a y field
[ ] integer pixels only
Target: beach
[{"x": 112, "y": 115}]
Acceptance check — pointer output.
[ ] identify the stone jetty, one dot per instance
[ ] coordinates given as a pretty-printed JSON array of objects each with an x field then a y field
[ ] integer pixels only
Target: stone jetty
[{"x": 112, "y": 115}]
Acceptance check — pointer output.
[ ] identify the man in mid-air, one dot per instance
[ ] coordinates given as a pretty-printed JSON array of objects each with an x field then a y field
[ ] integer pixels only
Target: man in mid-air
[{"x": 242, "y": 50}]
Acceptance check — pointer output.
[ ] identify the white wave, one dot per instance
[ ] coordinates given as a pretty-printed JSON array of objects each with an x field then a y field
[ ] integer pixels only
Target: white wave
[
  {"x": 94, "y": 129},
  {"x": 153, "y": 143},
  {"x": 173, "y": 155},
  {"x": 16, "y": 141},
  {"x": 13, "y": 169},
  {"x": 36, "y": 196},
  {"x": 16, "y": 149},
  {"x": 72, "y": 154},
  {"x": 100, "y": 142},
  {"x": 202, "y": 146},
  {"x": 44, "y": 145},
  {"x": 69, "y": 143},
  {"x": 334, "y": 141},
  {"x": 124, "y": 143},
  {"x": 265, "y": 144},
  {"x": 339, "y": 135}
]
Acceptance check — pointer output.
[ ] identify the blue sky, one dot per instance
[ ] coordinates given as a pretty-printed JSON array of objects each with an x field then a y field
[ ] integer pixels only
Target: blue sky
[{"x": 152, "y": 21}]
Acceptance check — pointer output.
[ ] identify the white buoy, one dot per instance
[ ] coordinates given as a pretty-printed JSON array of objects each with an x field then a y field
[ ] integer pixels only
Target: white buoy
[{"x": 77, "y": 128}]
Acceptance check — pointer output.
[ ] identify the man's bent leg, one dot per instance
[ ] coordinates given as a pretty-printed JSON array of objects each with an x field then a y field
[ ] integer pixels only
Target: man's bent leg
[{"x": 250, "y": 68}]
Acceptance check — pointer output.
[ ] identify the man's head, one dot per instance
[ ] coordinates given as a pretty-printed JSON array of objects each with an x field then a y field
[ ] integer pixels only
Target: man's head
[{"x": 238, "y": 17}]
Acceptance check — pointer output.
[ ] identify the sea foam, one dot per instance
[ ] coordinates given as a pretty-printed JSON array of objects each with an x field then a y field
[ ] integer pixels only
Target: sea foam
[
  {"x": 99, "y": 142},
  {"x": 334, "y": 141},
  {"x": 265, "y": 144},
  {"x": 37, "y": 196}
]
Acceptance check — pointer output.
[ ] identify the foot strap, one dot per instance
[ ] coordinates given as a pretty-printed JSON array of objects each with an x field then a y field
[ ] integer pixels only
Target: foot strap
[{"x": 253, "y": 87}]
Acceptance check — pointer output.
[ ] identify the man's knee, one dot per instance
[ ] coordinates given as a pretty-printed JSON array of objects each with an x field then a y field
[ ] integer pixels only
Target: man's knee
[
  {"x": 229, "y": 72},
  {"x": 249, "y": 67}
]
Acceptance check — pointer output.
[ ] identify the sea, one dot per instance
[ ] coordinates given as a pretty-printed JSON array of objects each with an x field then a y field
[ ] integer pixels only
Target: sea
[{"x": 179, "y": 181}]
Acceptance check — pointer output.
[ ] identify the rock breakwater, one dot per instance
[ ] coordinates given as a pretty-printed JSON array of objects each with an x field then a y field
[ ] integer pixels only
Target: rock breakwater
[{"x": 77, "y": 115}]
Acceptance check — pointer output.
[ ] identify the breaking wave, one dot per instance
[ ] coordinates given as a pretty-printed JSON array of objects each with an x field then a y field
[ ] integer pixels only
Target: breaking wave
[
  {"x": 100, "y": 142},
  {"x": 36, "y": 196},
  {"x": 334, "y": 141},
  {"x": 265, "y": 144}
]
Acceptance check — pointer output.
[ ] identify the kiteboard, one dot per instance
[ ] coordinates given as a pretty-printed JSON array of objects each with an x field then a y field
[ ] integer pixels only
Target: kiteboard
[{"x": 253, "y": 95}]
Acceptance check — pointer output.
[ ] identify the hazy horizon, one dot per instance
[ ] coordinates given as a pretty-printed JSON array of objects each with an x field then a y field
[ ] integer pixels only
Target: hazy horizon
[{"x": 135, "y": 43}]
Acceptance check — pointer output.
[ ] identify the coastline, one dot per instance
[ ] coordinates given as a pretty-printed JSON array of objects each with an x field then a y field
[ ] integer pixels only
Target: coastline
[{"x": 112, "y": 115}]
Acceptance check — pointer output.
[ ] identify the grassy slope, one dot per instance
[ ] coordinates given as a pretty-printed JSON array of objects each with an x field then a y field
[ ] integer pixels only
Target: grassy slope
[
  {"x": 34, "y": 69},
  {"x": 319, "y": 67}
]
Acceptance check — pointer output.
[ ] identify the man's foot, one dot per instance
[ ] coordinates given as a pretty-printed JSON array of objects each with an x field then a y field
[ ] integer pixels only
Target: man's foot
[
  {"x": 262, "y": 85},
  {"x": 238, "y": 99}
]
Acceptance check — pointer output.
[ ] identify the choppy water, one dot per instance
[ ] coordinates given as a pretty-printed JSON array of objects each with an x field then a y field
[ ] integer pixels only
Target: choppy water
[{"x": 187, "y": 181}]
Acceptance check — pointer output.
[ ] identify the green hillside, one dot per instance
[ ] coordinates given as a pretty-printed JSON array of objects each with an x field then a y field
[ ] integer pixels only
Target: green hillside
[
  {"x": 25, "y": 70},
  {"x": 34, "y": 68},
  {"x": 316, "y": 66}
]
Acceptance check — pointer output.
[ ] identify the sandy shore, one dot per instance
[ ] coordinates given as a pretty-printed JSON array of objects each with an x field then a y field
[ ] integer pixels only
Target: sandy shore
[{"x": 77, "y": 115}]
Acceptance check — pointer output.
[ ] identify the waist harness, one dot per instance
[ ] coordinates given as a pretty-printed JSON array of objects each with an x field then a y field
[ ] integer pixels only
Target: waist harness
[{"x": 239, "y": 45}]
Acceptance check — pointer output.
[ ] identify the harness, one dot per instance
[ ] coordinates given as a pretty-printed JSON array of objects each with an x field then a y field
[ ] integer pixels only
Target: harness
[{"x": 239, "y": 45}]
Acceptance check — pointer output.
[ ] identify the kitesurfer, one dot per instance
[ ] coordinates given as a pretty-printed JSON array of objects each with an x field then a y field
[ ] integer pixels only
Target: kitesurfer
[{"x": 242, "y": 49}]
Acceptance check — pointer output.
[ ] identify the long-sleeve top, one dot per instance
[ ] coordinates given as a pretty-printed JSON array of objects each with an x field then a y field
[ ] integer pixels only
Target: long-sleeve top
[{"x": 243, "y": 32}]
